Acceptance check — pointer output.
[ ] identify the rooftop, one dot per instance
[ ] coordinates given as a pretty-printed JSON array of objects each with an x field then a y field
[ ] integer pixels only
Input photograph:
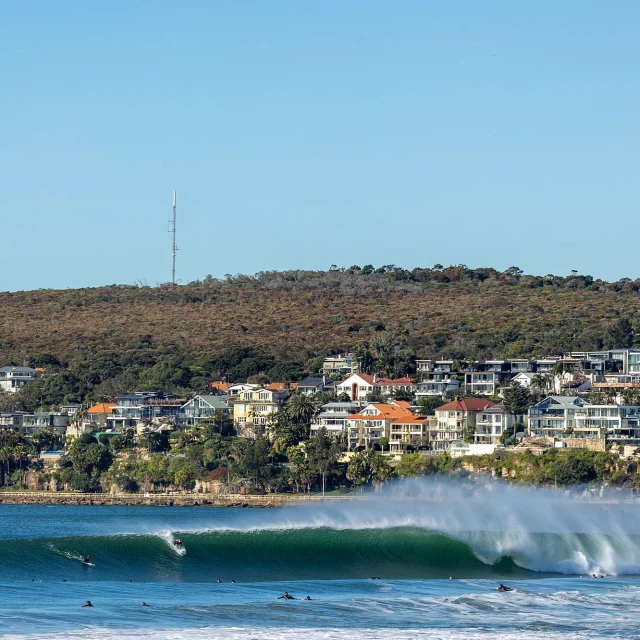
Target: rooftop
[{"x": 466, "y": 404}]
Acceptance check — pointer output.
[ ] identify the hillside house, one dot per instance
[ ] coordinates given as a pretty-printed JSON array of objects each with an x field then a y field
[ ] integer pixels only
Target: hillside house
[
  {"x": 203, "y": 407},
  {"x": 341, "y": 365},
  {"x": 334, "y": 417},
  {"x": 554, "y": 416},
  {"x": 252, "y": 408},
  {"x": 364, "y": 429},
  {"x": 453, "y": 419},
  {"x": 12, "y": 379}
]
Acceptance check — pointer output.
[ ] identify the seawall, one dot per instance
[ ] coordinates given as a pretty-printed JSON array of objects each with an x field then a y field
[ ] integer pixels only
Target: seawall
[{"x": 161, "y": 500}]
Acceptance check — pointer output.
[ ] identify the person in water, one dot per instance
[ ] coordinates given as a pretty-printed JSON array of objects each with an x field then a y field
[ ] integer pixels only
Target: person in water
[
  {"x": 218, "y": 581},
  {"x": 144, "y": 604},
  {"x": 308, "y": 598},
  {"x": 128, "y": 580},
  {"x": 286, "y": 596},
  {"x": 503, "y": 588},
  {"x": 86, "y": 560},
  {"x": 178, "y": 543},
  {"x": 88, "y": 603}
]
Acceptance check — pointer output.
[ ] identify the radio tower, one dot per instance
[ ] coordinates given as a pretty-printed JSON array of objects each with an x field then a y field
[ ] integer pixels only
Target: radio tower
[{"x": 174, "y": 248}]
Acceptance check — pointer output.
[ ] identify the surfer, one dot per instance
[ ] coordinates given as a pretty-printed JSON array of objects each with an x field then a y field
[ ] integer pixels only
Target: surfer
[
  {"x": 144, "y": 604},
  {"x": 233, "y": 582},
  {"x": 218, "y": 581},
  {"x": 286, "y": 596},
  {"x": 88, "y": 603},
  {"x": 375, "y": 578},
  {"x": 503, "y": 588},
  {"x": 308, "y": 598},
  {"x": 86, "y": 560},
  {"x": 178, "y": 543},
  {"x": 128, "y": 580}
]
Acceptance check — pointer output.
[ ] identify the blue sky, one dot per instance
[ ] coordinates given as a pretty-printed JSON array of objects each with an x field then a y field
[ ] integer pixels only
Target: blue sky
[{"x": 305, "y": 134}]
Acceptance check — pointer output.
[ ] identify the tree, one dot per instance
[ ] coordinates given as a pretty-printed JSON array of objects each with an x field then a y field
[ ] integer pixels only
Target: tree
[
  {"x": 253, "y": 459},
  {"x": 367, "y": 467},
  {"x": 323, "y": 453},
  {"x": 620, "y": 335},
  {"x": 401, "y": 394},
  {"x": 540, "y": 383},
  {"x": 183, "y": 473},
  {"x": 46, "y": 440},
  {"x": 411, "y": 464},
  {"x": 300, "y": 468},
  {"x": 284, "y": 432},
  {"x": 85, "y": 458},
  {"x": 517, "y": 399},
  {"x": 301, "y": 409},
  {"x": 428, "y": 405},
  {"x": 220, "y": 423}
]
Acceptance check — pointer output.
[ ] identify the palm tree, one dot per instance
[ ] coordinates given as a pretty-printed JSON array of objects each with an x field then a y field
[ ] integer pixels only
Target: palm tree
[
  {"x": 539, "y": 382},
  {"x": 6, "y": 457},
  {"x": 301, "y": 409}
]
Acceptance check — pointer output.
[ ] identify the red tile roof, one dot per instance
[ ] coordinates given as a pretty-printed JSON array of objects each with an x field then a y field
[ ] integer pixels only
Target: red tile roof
[
  {"x": 387, "y": 412},
  {"x": 385, "y": 381},
  {"x": 220, "y": 386},
  {"x": 466, "y": 404},
  {"x": 280, "y": 386}
]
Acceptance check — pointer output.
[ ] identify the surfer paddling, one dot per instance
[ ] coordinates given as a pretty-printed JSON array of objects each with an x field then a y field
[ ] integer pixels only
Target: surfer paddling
[
  {"x": 86, "y": 560},
  {"x": 503, "y": 588},
  {"x": 286, "y": 596}
]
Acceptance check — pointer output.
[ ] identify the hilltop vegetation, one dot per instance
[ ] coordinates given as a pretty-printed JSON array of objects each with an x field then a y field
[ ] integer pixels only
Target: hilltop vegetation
[{"x": 279, "y": 324}]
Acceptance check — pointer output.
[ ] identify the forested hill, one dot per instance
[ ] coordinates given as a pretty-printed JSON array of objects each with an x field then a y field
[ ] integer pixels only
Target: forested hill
[{"x": 285, "y": 317}]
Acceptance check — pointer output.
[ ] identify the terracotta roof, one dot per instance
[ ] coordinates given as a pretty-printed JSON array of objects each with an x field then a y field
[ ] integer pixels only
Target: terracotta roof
[
  {"x": 411, "y": 419},
  {"x": 466, "y": 404},
  {"x": 280, "y": 386},
  {"x": 387, "y": 412},
  {"x": 395, "y": 381},
  {"x": 220, "y": 386},
  {"x": 386, "y": 381},
  {"x": 102, "y": 407}
]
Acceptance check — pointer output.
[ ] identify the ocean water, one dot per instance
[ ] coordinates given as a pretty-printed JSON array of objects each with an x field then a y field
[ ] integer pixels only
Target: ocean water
[{"x": 414, "y": 537}]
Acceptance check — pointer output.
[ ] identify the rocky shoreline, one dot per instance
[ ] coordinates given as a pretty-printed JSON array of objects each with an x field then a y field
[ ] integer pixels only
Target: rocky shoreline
[{"x": 154, "y": 500}]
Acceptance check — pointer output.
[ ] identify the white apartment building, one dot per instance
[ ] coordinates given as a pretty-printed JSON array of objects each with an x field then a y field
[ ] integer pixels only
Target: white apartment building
[
  {"x": 615, "y": 423},
  {"x": 554, "y": 416},
  {"x": 12, "y": 379},
  {"x": 492, "y": 423},
  {"x": 334, "y": 417}
]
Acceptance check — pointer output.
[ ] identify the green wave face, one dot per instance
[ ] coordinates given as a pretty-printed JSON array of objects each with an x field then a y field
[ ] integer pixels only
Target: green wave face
[{"x": 266, "y": 555}]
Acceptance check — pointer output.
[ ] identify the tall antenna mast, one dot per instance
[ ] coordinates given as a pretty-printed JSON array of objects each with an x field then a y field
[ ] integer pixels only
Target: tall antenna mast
[{"x": 174, "y": 248}]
